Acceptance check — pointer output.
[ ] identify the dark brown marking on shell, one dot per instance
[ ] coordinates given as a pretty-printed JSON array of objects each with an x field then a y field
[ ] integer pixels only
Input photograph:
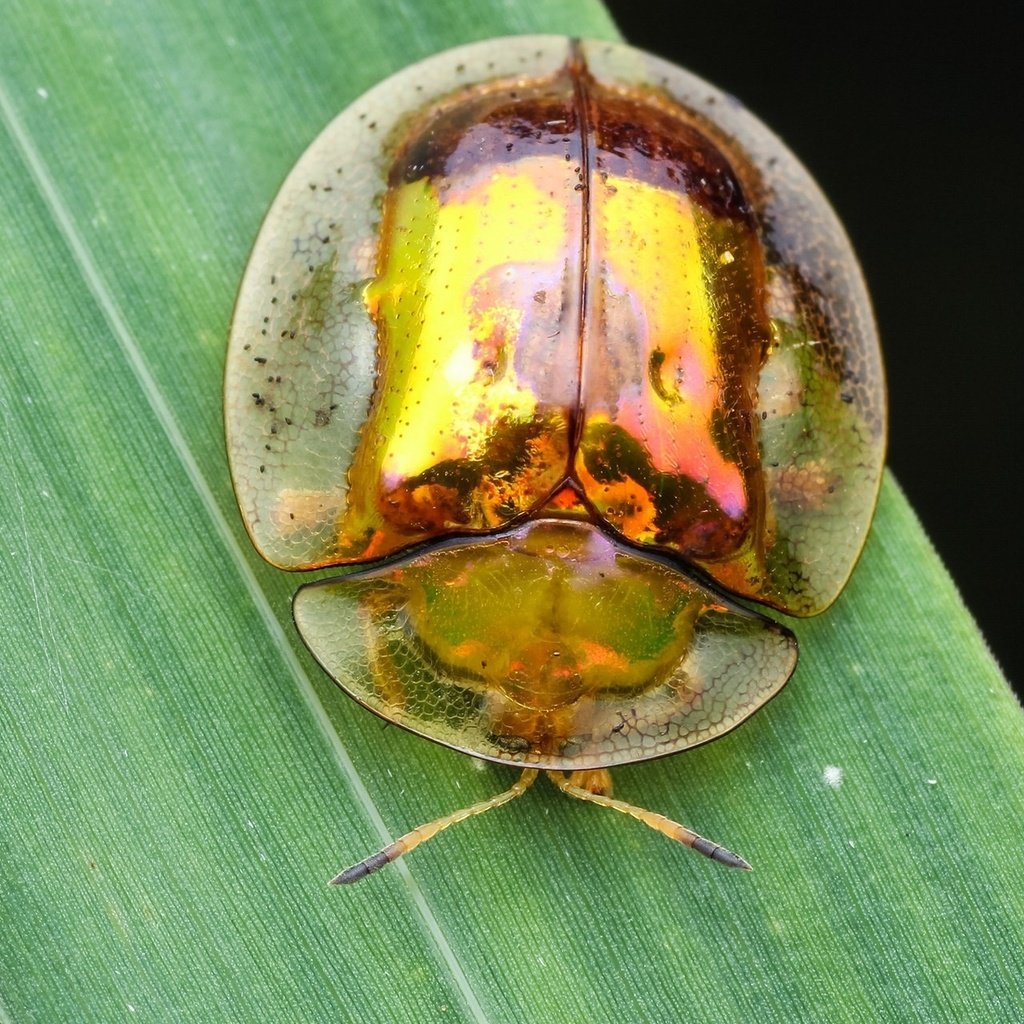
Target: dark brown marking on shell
[
  {"x": 629, "y": 136},
  {"x": 489, "y": 130},
  {"x": 637, "y": 140}
]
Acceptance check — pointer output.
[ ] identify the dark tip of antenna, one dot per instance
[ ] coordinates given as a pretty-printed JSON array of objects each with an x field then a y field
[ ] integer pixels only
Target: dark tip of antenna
[
  {"x": 720, "y": 854},
  {"x": 365, "y": 867},
  {"x": 731, "y": 860}
]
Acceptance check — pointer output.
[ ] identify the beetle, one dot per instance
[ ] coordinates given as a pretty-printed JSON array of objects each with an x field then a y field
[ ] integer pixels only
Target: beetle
[{"x": 566, "y": 354}]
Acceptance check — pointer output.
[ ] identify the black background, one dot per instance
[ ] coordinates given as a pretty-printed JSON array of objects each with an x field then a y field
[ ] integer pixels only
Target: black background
[{"x": 913, "y": 126}]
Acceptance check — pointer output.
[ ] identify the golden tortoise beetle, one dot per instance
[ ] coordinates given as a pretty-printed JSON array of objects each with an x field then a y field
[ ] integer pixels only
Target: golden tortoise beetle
[{"x": 561, "y": 346}]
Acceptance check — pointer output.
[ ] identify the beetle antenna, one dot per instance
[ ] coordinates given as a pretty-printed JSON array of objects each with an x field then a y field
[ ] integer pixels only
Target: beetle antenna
[
  {"x": 412, "y": 839},
  {"x": 666, "y": 826}
]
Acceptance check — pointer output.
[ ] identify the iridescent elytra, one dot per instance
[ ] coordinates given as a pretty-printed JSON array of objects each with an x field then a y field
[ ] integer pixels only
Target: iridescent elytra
[{"x": 566, "y": 354}]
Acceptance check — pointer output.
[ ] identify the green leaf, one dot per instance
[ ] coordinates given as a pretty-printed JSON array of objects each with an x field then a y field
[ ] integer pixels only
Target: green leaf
[{"x": 179, "y": 780}]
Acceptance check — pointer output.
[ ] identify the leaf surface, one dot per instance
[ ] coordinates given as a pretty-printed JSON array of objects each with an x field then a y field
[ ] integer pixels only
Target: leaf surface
[{"x": 180, "y": 780}]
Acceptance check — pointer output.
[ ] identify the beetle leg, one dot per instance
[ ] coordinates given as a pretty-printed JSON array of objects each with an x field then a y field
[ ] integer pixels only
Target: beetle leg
[
  {"x": 593, "y": 780},
  {"x": 667, "y": 827},
  {"x": 412, "y": 839}
]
